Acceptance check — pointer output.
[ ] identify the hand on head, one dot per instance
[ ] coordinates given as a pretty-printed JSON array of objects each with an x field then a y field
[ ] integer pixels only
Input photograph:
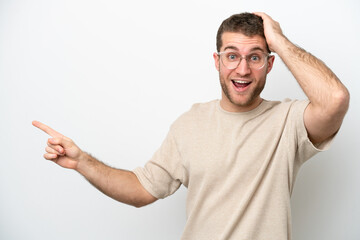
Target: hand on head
[{"x": 272, "y": 31}]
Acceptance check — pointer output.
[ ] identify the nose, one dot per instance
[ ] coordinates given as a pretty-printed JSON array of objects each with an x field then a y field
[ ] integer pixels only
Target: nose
[{"x": 243, "y": 68}]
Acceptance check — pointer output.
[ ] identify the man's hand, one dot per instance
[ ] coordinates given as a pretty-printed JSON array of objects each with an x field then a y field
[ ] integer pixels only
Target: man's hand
[
  {"x": 60, "y": 149},
  {"x": 272, "y": 31}
]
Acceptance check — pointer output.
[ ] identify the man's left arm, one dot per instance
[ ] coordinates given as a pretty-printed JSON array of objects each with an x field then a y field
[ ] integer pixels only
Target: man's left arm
[{"x": 329, "y": 98}]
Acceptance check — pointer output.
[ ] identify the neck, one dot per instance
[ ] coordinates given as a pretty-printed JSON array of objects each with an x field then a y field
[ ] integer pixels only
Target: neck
[{"x": 232, "y": 107}]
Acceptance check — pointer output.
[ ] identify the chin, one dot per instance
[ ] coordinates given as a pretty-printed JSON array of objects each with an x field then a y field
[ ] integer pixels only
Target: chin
[{"x": 248, "y": 102}]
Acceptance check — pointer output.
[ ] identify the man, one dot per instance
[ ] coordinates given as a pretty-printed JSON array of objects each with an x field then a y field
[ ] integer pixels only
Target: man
[{"x": 238, "y": 156}]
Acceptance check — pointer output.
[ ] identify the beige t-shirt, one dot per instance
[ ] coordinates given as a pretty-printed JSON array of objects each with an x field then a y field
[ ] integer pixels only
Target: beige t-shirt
[{"x": 239, "y": 169}]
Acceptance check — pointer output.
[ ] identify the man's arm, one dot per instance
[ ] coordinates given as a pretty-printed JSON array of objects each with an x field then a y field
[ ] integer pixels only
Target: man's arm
[
  {"x": 120, "y": 185},
  {"x": 329, "y": 98}
]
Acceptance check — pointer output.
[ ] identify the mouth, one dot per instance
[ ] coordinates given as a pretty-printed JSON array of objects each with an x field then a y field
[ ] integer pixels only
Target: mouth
[{"x": 240, "y": 85}]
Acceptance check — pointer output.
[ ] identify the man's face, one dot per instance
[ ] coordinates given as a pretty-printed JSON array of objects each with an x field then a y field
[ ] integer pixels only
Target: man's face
[{"x": 241, "y": 87}]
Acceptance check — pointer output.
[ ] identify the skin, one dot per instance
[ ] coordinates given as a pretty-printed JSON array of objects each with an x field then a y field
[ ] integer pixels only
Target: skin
[
  {"x": 233, "y": 99},
  {"x": 329, "y": 101},
  {"x": 329, "y": 98},
  {"x": 118, "y": 184}
]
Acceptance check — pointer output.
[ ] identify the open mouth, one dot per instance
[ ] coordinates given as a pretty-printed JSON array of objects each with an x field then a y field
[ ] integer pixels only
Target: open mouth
[{"x": 240, "y": 84}]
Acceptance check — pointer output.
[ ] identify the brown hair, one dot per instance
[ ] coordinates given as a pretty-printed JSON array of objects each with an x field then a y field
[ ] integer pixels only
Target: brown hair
[{"x": 246, "y": 23}]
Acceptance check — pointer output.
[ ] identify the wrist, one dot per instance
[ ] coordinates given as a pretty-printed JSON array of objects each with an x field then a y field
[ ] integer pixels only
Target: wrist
[
  {"x": 84, "y": 160},
  {"x": 282, "y": 43}
]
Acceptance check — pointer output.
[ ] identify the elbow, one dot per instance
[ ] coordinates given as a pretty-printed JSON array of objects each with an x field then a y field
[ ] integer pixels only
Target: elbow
[
  {"x": 139, "y": 196},
  {"x": 140, "y": 204},
  {"x": 137, "y": 203},
  {"x": 335, "y": 106},
  {"x": 341, "y": 100},
  {"x": 143, "y": 200}
]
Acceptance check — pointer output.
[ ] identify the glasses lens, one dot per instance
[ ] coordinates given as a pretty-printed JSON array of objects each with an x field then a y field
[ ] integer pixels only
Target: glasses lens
[
  {"x": 231, "y": 60},
  {"x": 256, "y": 60}
]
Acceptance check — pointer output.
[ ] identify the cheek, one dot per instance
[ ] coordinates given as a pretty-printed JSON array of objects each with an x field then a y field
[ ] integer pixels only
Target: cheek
[
  {"x": 224, "y": 72},
  {"x": 261, "y": 75}
]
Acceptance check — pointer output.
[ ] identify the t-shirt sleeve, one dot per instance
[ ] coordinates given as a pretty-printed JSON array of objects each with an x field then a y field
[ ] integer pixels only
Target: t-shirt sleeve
[
  {"x": 163, "y": 174},
  {"x": 306, "y": 149}
]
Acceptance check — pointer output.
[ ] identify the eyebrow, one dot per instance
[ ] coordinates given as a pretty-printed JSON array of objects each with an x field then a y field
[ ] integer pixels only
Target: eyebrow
[
  {"x": 231, "y": 47},
  {"x": 251, "y": 50}
]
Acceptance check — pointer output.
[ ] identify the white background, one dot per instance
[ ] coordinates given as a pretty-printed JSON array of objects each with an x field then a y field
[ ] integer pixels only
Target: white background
[{"x": 113, "y": 76}]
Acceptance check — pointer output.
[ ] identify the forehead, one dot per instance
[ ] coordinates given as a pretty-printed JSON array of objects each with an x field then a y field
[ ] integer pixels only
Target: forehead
[{"x": 242, "y": 43}]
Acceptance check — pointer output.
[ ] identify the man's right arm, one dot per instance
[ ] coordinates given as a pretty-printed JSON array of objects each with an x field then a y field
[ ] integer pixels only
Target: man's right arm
[{"x": 118, "y": 184}]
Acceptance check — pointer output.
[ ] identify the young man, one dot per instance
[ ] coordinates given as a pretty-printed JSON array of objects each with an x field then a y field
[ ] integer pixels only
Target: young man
[{"x": 238, "y": 156}]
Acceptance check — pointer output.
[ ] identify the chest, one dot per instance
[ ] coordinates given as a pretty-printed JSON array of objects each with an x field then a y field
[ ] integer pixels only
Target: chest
[{"x": 233, "y": 149}]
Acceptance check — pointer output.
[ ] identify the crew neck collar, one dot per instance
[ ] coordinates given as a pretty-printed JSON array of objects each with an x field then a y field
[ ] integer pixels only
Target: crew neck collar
[{"x": 259, "y": 108}]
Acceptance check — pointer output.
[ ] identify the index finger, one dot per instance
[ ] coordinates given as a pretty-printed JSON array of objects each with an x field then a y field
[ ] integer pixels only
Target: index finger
[{"x": 46, "y": 129}]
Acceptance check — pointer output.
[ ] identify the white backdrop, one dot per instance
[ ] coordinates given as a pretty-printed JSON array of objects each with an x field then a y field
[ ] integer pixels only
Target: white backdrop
[{"x": 113, "y": 76}]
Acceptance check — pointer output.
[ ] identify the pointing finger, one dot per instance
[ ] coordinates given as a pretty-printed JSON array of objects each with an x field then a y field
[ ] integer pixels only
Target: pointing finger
[{"x": 46, "y": 129}]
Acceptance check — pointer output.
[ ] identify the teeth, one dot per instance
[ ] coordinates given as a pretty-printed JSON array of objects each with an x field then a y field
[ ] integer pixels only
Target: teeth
[{"x": 241, "y": 81}]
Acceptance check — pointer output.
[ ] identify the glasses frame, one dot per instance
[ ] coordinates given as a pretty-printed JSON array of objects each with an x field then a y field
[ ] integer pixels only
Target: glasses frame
[{"x": 267, "y": 55}]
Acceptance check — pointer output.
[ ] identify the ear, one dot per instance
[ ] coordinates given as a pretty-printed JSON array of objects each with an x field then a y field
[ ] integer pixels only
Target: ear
[
  {"x": 217, "y": 61},
  {"x": 270, "y": 63}
]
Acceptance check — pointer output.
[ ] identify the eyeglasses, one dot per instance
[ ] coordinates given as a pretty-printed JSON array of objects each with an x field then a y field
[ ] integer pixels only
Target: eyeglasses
[{"x": 231, "y": 60}]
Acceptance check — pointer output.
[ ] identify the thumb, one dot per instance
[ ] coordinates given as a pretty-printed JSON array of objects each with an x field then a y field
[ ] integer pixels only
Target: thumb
[
  {"x": 70, "y": 149},
  {"x": 64, "y": 142}
]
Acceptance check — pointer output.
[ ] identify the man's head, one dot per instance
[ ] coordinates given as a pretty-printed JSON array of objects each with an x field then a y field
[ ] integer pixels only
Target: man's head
[
  {"x": 243, "y": 61},
  {"x": 246, "y": 23}
]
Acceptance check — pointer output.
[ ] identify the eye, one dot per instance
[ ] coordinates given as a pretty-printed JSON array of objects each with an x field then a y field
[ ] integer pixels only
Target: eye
[
  {"x": 231, "y": 56},
  {"x": 255, "y": 58}
]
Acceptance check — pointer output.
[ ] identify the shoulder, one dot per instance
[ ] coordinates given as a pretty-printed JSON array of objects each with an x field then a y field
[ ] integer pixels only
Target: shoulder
[
  {"x": 287, "y": 105},
  {"x": 280, "y": 112},
  {"x": 203, "y": 108},
  {"x": 198, "y": 113}
]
